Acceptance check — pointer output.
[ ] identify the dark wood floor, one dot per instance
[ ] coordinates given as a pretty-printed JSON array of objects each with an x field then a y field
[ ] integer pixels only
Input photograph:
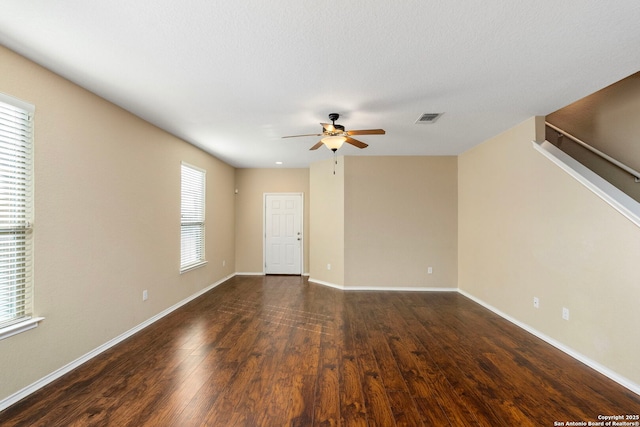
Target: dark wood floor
[{"x": 276, "y": 351}]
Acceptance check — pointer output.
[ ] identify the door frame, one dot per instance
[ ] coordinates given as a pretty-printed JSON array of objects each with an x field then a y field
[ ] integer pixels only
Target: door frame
[{"x": 264, "y": 228}]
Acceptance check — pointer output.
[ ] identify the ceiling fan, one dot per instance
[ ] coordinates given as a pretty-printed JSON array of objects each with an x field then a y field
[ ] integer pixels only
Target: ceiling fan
[{"x": 335, "y": 135}]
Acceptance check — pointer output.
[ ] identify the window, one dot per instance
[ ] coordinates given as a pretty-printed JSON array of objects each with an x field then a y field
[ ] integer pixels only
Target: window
[
  {"x": 16, "y": 138},
  {"x": 192, "y": 217}
]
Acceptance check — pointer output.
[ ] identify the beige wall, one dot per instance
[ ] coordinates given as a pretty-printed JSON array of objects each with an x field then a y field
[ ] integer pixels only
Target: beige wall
[
  {"x": 401, "y": 218},
  {"x": 382, "y": 221},
  {"x": 326, "y": 219},
  {"x": 607, "y": 120},
  {"x": 107, "y": 203},
  {"x": 251, "y": 185},
  {"x": 527, "y": 229}
]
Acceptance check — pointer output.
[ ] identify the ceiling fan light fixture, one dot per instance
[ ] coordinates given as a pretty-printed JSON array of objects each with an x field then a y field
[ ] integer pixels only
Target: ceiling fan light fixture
[
  {"x": 335, "y": 135},
  {"x": 334, "y": 142}
]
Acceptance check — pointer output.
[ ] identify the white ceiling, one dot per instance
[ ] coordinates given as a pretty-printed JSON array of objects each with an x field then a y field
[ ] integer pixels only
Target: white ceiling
[{"x": 233, "y": 77}]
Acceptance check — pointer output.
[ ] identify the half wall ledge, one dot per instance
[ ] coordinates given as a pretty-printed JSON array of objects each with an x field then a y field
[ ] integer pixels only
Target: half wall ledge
[{"x": 624, "y": 204}]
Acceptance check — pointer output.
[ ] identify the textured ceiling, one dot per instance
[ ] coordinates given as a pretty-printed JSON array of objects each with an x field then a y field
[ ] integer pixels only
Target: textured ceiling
[{"x": 233, "y": 77}]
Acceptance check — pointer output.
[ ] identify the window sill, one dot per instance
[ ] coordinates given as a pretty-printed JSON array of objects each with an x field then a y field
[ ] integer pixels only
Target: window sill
[
  {"x": 20, "y": 327},
  {"x": 192, "y": 266}
]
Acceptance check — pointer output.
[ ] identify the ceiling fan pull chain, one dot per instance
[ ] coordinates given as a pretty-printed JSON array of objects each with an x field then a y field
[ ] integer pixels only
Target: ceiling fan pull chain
[{"x": 335, "y": 161}]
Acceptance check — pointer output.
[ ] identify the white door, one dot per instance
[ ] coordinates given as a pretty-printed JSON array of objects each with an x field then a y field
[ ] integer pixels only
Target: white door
[{"x": 283, "y": 233}]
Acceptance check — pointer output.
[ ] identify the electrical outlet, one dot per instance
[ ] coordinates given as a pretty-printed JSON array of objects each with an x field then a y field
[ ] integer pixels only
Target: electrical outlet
[
  {"x": 145, "y": 295},
  {"x": 430, "y": 270},
  {"x": 565, "y": 313},
  {"x": 328, "y": 266},
  {"x": 224, "y": 263},
  {"x": 536, "y": 302}
]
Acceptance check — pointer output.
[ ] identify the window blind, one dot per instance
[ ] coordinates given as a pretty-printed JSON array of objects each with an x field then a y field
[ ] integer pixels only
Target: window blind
[
  {"x": 192, "y": 217},
  {"x": 16, "y": 139}
]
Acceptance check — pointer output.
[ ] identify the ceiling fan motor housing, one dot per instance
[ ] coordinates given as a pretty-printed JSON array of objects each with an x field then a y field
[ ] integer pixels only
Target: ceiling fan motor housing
[{"x": 337, "y": 129}]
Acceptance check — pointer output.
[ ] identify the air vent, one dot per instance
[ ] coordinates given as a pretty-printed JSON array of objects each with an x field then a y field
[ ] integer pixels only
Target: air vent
[{"x": 427, "y": 118}]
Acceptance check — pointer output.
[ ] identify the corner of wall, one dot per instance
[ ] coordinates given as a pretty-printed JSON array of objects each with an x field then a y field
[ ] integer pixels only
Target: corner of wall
[{"x": 527, "y": 229}]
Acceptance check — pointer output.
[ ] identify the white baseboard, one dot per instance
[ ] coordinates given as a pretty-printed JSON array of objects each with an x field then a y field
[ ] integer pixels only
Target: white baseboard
[
  {"x": 382, "y": 288},
  {"x": 21, "y": 394},
  {"x": 323, "y": 283},
  {"x": 14, "y": 398},
  {"x": 623, "y": 381},
  {"x": 260, "y": 274},
  {"x": 399, "y": 289},
  {"x": 251, "y": 273}
]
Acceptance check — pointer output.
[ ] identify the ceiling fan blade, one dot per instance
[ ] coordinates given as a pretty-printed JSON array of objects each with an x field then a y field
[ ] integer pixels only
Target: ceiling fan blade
[
  {"x": 328, "y": 127},
  {"x": 356, "y": 143},
  {"x": 308, "y": 134},
  {"x": 366, "y": 132},
  {"x": 315, "y": 147}
]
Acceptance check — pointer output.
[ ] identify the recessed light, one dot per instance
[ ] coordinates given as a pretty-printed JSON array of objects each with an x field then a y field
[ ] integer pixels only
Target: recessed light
[{"x": 278, "y": 163}]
